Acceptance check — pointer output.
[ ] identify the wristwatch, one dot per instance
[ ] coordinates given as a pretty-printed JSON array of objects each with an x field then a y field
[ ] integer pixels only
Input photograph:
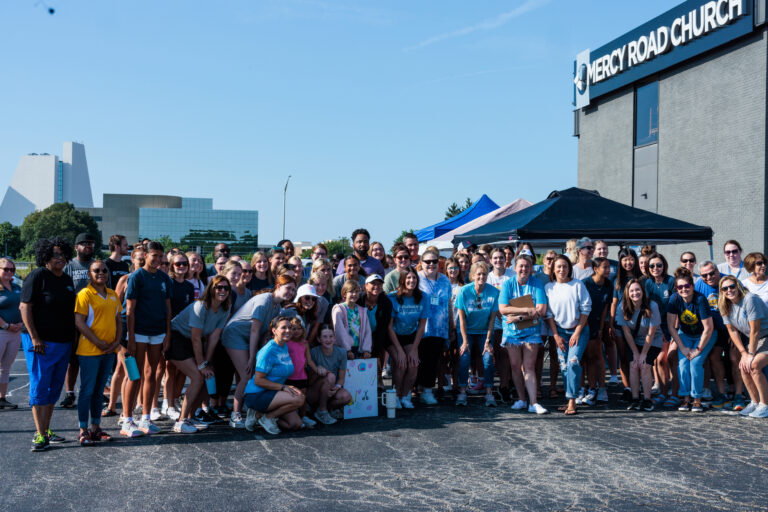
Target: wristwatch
[{"x": 202, "y": 365}]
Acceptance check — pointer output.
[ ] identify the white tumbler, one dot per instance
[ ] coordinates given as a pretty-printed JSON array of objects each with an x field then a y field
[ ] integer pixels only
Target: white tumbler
[{"x": 389, "y": 400}]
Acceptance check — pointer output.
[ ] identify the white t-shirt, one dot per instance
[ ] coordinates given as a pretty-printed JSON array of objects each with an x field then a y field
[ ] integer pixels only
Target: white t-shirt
[
  {"x": 567, "y": 302},
  {"x": 761, "y": 290}
]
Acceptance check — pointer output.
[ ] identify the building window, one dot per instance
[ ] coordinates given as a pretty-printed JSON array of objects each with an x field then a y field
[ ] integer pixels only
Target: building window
[{"x": 647, "y": 114}]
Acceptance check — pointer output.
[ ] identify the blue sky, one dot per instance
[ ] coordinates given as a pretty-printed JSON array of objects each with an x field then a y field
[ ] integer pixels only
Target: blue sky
[{"x": 383, "y": 112}]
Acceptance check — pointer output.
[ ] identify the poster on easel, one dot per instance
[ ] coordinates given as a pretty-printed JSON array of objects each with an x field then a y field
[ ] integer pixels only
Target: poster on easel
[{"x": 361, "y": 383}]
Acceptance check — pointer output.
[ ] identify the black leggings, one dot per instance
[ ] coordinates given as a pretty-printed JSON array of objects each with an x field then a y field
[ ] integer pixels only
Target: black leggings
[
  {"x": 430, "y": 349},
  {"x": 224, "y": 371}
]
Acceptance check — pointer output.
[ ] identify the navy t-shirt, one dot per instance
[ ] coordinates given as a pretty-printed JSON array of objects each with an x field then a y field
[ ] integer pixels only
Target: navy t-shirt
[
  {"x": 150, "y": 291},
  {"x": 710, "y": 293},
  {"x": 660, "y": 293},
  {"x": 601, "y": 296},
  {"x": 53, "y": 304},
  {"x": 691, "y": 313},
  {"x": 182, "y": 295}
]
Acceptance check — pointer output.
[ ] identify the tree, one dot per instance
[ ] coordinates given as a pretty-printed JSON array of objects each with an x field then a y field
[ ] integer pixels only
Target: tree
[
  {"x": 402, "y": 235},
  {"x": 10, "y": 240},
  {"x": 341, "y": 245},
  {"x": 454, "y": 209},
  {"x": 59, "y": 219}
]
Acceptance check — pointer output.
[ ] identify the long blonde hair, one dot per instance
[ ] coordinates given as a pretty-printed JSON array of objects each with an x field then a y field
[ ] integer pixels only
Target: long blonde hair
[{"x": 724, "y": 304}]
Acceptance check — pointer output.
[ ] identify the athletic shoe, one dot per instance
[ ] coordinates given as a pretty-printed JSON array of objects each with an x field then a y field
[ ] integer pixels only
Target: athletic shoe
[
  {"x": 748, "y": 409},
  {"x": 184, "y": 427},
  {"x": 761, "y": 411},
  {"x": 647, "y": 405},
  {"x": 602, "y": 395},
  {"x": 164, "y": 408},
  {"x": 519, "y": 405},
  {"x": 5, "y": 404},
  {"x": 739, "y": 403},
  {"x": 398, "y": 403},
  {"x": 538, "y": 409},
  {"x": 461, "y": 399},
  {"x": 324, "y": 417},
  {"x": 336, "y": 414},
  {"x": 269, "y": 424},
  {"x": 173, "y": 414},
  {"x": 385, "y": 374},
  {"x": 697, "y": 408},
  {"x": 149, "y": 428},
  {"x": 53, "y": 437},
  {"x": 307, "y": 422},
  {"x": 490, "y": 401},
  {"x": 626, "y": 396},
  {"x": 706, "y": 394},
  {"x": 39, "y": 443},
  {"x": 580, "y": 397},
  {"x": 719, "y": 402},
  {"x": 672, "y": 401},
  {"x": 154, "y": 415},
  {"x": 684, "y": 407},
  {"x": 68, "y": 402},
  {"x": 250, "y": 420},
  {"x": 614, "y": 380},
  {"x": 202, "y": 417},
  {"x": 406, "y": 401},
  {"x": 428, "y": 398},
  {"x": 589, "y": 398},
  {"x": 236, "y": 420},
  {"x": 656, "y": 389},
  {"x": 199, "y": 425},
  {"x": 130, "y": 429},
  {"x": 635, "y": 405}
]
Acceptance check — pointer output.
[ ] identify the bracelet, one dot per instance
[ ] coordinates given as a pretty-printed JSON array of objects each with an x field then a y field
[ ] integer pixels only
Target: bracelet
[{"x": 202, "y": 365}]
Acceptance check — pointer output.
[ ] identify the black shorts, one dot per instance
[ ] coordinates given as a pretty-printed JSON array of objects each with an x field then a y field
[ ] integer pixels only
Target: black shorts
[
  {"x": 298, "y": 383},
  {"x": 650, "y": 357},
  {"x": 380, "y": 345},
  {"x": 180, "y": 349},
  {"x": 406, "y": 339},
  {"x": 723, "y": 339}
]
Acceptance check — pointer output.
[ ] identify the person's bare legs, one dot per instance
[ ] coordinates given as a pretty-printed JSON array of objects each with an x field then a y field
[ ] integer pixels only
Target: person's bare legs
[
  {"x": 154, "y": 354},
  {"x": 240, "y": 362},
  {"x": 515, "y": 358},
  {"x": 189, "y": 369}
]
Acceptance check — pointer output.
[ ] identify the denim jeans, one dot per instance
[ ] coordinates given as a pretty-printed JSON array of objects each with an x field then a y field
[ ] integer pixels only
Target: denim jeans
[
  {"x": 570, "y": 360},
  {"x": 691, "y": 372},
  {"x": 476, "y": 345},
  {"x": 94, "y": 371}
]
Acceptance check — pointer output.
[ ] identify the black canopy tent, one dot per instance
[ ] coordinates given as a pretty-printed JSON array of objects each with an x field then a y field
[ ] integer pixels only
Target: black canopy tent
[{"x": 575, "y": 212}]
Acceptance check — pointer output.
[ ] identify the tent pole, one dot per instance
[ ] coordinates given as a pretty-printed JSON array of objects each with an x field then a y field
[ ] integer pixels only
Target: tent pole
[{"x": 711, "y": 254}]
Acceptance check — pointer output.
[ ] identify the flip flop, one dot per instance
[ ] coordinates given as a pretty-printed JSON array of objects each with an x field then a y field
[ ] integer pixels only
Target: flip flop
[{"x": 571, "y": 412}]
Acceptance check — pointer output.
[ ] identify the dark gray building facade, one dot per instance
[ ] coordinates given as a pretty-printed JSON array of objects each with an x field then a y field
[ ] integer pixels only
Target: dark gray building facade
[{"x": 671, "y": 117}]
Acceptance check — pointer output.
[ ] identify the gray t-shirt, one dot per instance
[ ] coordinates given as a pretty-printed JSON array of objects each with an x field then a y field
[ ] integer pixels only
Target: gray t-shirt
[
  {"x": 749, "y": 309},
  {"x": 391, "y": 281},
  {"x": 582, "y": 273},
  {"x": 78, "y": 271},
  {"x": 333, "y": 363},
  {"x": 260, "y": 307},
  {"x": 645, "y": 325},
  {"x": 339, "y": 281},
  {"x": 196, "y": 315},
  {"x": 238, "y": 300}
]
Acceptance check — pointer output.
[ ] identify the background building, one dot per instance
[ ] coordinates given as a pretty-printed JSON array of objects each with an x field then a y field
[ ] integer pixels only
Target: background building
[
  {"x": 671, "y": 117},
  {"x": 42, "y": 180},
  {"x": 188, "y": 221}
]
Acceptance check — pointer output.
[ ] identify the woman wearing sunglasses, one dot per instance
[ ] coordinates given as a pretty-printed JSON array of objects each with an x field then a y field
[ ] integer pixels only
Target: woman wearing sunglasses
[
  {"x": 10, "y": 336},
  {"x": 97, "y": 317},
  {"x": 402, "y": 263},
  {"x": 757, "y": 282},
  {"x": 745, "y": 314},
  {"x": 733, "y": 264},
  {"x": 202, "y": 320},
  {"x": 694, "y": 337},
  {"x": 660, "y": 286}
]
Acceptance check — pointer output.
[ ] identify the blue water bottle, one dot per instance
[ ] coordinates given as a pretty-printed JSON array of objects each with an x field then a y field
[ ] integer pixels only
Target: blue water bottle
[
  {"x": 210, "y": 383},
  {"x": 132, "y": 368}
]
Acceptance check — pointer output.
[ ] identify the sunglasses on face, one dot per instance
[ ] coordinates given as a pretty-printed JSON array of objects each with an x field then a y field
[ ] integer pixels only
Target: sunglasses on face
[
  {"x": 221, "y": 288},
  {"x": 708, "y": 275},
  {"x": 430, "y": 262},
  {"x": 735, "y": 251},
  {"x": 760, "y": 263},
  {"x": 181, "y": 264},
  {"x": 588, "y": 248},
  {"x": 8, "y": 269},
  {"x": 656, "y": 265},
  {"x": 685, "y": 286},
  {"x": 247, "y": 271},
  {"x": 728, "y": 287},
  {"x": 452, "y": 269},
  {"x": 99, "y": 271},
  {"x": 688, "y": 260}
]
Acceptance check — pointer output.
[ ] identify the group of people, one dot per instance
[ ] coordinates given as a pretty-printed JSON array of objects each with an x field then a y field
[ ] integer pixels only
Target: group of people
[{"x": 284, "y": 332}]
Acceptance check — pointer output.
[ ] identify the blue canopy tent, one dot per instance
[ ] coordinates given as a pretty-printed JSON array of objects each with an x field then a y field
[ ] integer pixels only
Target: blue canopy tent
[{"x": 479, "y": 208}]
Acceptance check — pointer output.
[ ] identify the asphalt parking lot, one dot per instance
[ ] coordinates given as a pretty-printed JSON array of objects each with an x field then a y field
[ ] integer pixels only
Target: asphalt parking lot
[{"x": 431, "y": 458}]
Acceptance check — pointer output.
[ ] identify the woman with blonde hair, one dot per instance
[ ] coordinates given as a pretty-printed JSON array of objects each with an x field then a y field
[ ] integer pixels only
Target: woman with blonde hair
[
  {"x": 196, "y": 272},
  {"x": 746, "y": 314},
  {"x": 262, "y": 274},
  {"x": 322, "y": 267},
  {"x": 10, "y": 316}
]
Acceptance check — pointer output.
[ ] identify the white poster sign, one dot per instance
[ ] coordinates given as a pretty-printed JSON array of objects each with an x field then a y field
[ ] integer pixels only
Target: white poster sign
[{"x": 361, "y": 382}]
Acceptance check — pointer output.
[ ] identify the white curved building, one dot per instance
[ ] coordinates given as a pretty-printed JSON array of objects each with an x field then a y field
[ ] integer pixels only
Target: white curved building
[{"x": 42, "y": 180}]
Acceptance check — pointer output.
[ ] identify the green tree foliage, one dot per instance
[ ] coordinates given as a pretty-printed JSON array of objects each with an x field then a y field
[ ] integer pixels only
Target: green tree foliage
[
  {"x": 59, "y": 219},
  {"x": 402, "y": 235},
  {"x": 207, "y": 240},
  {"x": 454, "y": 209},
  {"x": 341, "y": 244},
  {"x": 10, "y": 240}
]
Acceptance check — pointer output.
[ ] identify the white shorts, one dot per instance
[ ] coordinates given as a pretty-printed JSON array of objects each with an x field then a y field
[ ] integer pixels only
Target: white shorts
[{"x": 156, "y": 339}]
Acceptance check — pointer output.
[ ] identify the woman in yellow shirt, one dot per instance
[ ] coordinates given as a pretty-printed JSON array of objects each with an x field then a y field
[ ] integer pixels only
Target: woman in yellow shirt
[{"x": 97, "y": 317}]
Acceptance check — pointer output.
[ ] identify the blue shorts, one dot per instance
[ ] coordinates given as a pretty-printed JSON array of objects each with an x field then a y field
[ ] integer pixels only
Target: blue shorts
[
  {"x": 533, "y": 339},
  {"x": 260, "y": 401},
  {"x": 46, "y": 371}
]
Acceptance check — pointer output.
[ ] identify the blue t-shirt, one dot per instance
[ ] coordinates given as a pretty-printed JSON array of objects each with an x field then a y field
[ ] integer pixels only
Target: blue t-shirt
[
  {"x": 150, "y": 291},
  {"x": 275, "y": 362},
  {"x": 10, "y": 300},
  {"x": 710, "y": 293},
  {"x": 478, "y": 309},
  {"x": 438, "y": 305},
  {"x": 691, "y": 313},
  {"x": 660, "y": 294},
  {"x": 406, "y": 316},
  {"x": 512, "y": 289}
]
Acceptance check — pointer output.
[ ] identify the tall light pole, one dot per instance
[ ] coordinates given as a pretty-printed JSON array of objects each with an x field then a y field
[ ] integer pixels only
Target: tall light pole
[{"x": 285, "y": 191}]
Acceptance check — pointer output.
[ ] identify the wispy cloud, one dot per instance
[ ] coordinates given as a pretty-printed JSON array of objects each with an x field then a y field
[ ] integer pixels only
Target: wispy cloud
[{"x": 488, "y": 24}]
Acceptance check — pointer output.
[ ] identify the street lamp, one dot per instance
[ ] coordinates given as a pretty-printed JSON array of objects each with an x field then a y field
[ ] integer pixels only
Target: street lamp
[{"x": 285, "y": 191}]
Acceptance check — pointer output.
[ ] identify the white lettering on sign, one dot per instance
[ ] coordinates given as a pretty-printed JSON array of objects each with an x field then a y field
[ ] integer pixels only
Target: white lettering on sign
[{"x": 684, "y": 29}]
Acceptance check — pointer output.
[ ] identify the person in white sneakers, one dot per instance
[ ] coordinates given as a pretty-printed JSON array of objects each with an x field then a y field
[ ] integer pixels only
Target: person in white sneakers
[
  {"x": 266, "y": 392},
  {"x": 203, "y": 319},
  {"x": 477, "y": 304},
  {"x": 522, "y": 330},
  {"x": 746, "y": 314},
  {"x": 326, "y": 392}
]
